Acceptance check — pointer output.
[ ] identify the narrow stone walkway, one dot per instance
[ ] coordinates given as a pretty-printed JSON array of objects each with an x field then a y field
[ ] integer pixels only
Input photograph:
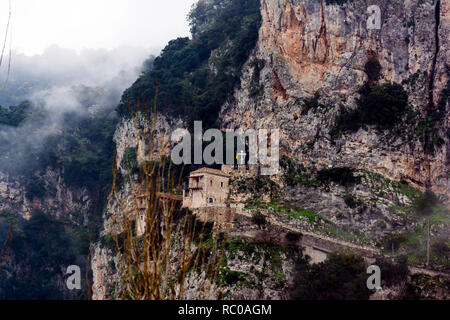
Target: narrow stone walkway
[{"x": 328, "y": 244}]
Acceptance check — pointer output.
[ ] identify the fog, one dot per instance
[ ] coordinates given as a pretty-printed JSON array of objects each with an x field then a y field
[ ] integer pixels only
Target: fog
[
  {"x": 78, "y": 24},
  {"x": 58, "y": 82}
]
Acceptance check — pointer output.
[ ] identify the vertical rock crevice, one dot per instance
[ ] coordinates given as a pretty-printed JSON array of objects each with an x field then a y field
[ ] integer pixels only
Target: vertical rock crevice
[
  {"x": 437, "y": 14},
  {"x": 429, "y": 147}
]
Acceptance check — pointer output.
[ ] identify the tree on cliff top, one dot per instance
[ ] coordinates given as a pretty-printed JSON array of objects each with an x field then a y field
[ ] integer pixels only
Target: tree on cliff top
[
  {"x": 2, "y": 54},
  {"x": 196, "y": 76}
]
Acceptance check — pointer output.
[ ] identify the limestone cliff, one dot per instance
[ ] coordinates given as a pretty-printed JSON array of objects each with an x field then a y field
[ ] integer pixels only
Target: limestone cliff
[
  {"x": 311, "y": 47},
  {"x": 59, "y": 200},
  {"x": 308, "y": 67}
]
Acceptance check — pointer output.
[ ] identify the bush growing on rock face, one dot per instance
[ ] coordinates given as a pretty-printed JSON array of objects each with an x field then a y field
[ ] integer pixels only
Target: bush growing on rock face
[
  {"x": 35, "y": 188},
  {"x": 15, "y": 115},
  {"x": 341, "y": 175},
  {"x": 294, "y": 173},
  {"x": 259, "y": 219},
  {"x": 380, "y": 105},
  {"x": 393, "y": 272},
  {"x": 257, "y": 89},
  {"x": 231, "y": 277},
  {"x": 258, "y": 186},
  {"x": 311, "y": 103},
  {"x": 41, "y": 250},
  {"x": 351, "y": 201},
  {"x": 441, "y": 248},
  {"x": 372, "y": 69},
  {"x": 129, "y": 160}
]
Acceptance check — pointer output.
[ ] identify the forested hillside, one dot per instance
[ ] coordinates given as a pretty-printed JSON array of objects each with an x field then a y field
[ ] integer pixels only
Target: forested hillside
[{"x": 196, "y": 76}]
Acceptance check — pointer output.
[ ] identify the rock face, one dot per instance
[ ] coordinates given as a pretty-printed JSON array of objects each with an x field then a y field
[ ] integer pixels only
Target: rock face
[
  {"x": 318, "y": 50},
  {"x": 308, "y": 47}
]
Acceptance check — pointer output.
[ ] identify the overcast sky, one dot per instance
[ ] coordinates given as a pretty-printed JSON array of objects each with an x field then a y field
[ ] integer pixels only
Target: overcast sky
[{"x": 93, "y": 24}]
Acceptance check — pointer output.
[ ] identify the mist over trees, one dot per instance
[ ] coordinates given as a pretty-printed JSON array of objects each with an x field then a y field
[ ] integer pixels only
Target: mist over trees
[{"x": 59, "y": 67}]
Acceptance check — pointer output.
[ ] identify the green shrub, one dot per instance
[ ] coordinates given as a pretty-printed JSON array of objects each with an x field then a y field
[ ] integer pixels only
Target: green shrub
[
  {"x": 293, "y": 236},
  {"x": 393, "y": 272},
  {"x": 383, "y": 104},
  {"x": 351, "y": 201},
  {"x": 296, "y": 174},
  {"x": 257, "y": 186},
  {"x": 412, "y": 79},
  {"x": 338, "y": 2},
  {"x": 297, "y": 213},
  {"x": 35, "y": 188},
  {"x": 15, "y": 115}
]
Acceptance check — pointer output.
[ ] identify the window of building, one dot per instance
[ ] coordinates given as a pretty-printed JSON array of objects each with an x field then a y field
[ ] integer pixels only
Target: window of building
[
  {"x": 210, "y": 200},
  {"x": 211, "y": 182},
  {"x": 222, "y": 184}
]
